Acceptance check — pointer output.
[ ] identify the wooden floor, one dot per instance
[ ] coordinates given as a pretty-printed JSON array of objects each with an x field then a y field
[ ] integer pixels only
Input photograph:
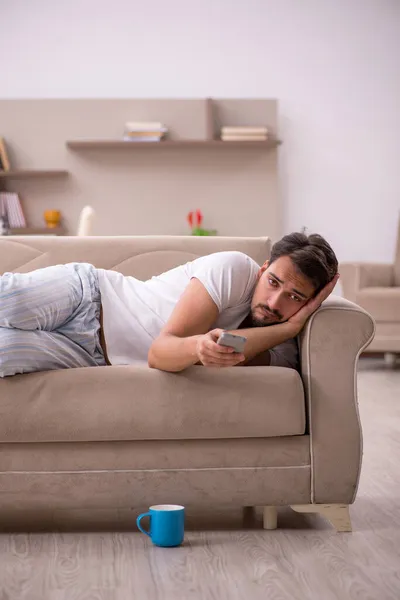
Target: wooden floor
[{"x": 226, "y": 559}]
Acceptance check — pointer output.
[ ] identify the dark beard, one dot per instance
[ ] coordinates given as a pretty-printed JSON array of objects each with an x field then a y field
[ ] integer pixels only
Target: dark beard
[
  {"x": 257, "y": 322},
  {"x": 251, "y": 321}
]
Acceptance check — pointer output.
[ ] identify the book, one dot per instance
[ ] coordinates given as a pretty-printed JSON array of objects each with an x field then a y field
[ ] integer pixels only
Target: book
[
  {"x": 3, "y": 208},
  {"x": 141, "y": 139},
  {"x": 4, "y": 161},
  {"x": 244, "y": 138},
  {"x": 144, "y": 126},
  {"x": 143, "y": 133},
  {"x": 233, "y": 130},
  {"x": 11, "y": 206}
]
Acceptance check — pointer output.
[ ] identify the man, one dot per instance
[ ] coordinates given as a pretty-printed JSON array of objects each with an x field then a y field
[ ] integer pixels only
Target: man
[{"x": 50, "y": 318}]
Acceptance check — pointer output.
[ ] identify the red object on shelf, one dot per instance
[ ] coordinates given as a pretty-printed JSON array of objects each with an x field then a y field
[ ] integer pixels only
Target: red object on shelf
[
  {"x": 199, "y": 217},
  {"x": 190, "y": 219}
]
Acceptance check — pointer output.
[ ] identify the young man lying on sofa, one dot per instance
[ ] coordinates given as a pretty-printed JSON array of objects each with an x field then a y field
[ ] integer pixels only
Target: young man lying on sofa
[{"x": 75, "y": 315}]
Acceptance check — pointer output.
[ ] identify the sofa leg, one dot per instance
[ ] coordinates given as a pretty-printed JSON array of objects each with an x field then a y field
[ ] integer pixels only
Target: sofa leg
[
  {"x": 390, "y": 359},
  {"x": 337, "y": 514},
  {"x": 270, "y": 517}
]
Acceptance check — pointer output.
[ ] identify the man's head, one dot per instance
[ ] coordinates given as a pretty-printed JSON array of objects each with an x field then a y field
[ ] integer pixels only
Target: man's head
[{"x": 299, "y": 267}]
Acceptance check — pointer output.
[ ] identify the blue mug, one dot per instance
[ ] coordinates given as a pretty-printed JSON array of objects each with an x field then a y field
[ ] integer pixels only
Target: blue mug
[{"x": 167, "y": 524}]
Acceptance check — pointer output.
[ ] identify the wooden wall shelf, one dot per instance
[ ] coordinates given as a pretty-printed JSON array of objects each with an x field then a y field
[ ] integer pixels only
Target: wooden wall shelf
[
  {"x": 37, "y": 231},
  {"x": 31, "y": 173},
  {"x": 135, "y": 174},
  {"x": 117, "y": 144}
]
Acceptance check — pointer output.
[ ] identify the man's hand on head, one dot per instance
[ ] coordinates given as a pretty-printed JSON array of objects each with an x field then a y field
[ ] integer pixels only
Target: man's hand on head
[{"x": 300, "y": 318}]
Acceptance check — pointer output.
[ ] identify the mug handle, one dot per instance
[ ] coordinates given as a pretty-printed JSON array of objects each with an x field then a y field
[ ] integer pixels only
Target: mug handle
[{"x": 140, "y": 517}]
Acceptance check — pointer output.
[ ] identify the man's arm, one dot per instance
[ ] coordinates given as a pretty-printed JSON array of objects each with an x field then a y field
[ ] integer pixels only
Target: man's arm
[
  {"x": 186, "y": 339},
  {"x": 283, "y": 355},
  {"x": 175, "y": 348},
  {"x": 260, "y": 339}
]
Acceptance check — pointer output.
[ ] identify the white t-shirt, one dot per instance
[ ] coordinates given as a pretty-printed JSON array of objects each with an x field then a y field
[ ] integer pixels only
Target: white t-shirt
[{"x": 134, "y": 311}]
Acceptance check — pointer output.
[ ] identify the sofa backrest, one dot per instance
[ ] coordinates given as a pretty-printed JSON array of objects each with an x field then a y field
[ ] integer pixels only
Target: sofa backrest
[
  {"x": 140, "y": 256},
  {"x": 397, "y": 259}
]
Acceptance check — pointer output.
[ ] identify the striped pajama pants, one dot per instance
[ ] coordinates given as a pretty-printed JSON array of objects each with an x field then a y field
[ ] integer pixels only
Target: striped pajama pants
[{"x": 50, "y": 319}]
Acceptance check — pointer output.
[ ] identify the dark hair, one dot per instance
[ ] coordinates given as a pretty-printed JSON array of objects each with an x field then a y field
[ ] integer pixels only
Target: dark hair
[{"x": 311, "y": 255}]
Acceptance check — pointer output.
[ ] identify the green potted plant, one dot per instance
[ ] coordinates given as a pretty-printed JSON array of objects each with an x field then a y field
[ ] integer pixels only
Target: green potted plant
[{"x": 195, "y": 219}]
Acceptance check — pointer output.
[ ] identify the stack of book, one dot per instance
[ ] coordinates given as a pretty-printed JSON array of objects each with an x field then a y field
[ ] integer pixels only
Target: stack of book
[
  {"x": 142, "y": 131},
  {"x": 10, "y": 207},
  {"x": 244, "y": 134}
]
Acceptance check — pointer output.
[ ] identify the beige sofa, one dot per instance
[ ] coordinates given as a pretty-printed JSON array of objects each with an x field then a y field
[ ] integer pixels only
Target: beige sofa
[
  {"x": 82, "y": 444},
  {"x": 376, "y": 287}
]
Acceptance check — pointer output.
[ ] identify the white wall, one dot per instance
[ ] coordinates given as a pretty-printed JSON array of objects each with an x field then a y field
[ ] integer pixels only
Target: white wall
[{"x": 333, "y": 64}]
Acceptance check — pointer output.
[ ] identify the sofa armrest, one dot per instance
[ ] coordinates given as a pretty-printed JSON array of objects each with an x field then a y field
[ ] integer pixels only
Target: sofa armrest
[
  {"x": 330, "y": 345},
  {"x": 355, "y": 276}
]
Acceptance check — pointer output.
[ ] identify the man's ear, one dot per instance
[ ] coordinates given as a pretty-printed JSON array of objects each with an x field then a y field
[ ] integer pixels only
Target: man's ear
[{"x": 263, "y": 269}]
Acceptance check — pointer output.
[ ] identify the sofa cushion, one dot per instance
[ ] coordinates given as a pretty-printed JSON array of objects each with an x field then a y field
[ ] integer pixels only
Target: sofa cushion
[
  {"x": 139, "y": 403},
  {"x": 382, "y": 302}
]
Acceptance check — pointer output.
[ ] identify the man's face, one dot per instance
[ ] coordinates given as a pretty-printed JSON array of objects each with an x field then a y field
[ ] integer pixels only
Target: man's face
[{"x": 280, "y": 292}]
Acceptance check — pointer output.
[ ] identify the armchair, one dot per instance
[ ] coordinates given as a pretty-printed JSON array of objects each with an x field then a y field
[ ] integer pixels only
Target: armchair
[{"x": 376, "y": 288}]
